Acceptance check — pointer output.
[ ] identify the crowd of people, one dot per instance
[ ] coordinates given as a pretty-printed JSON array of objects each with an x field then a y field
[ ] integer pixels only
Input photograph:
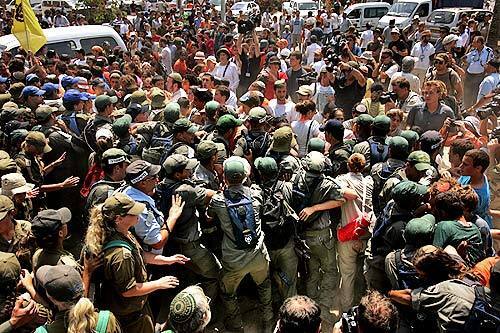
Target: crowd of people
[{"x": 318, "y": 170}]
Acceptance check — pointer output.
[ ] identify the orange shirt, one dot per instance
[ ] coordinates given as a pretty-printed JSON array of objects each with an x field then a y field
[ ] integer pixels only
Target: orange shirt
[
  {"x": 483, "y": 269},
  {"x": 180, "y": 67}
]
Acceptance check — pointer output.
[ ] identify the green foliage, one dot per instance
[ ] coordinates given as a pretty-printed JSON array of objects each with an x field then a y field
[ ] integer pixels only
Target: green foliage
[{"x": 97, "y": 11}]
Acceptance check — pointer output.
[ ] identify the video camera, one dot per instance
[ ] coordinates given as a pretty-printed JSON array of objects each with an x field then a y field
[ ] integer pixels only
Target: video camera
[
  {"x": 492, "y": 108},
  {"x": 349, "y": 320},
  {"x": 307, "y": 78},
  {"x": 245, "y": 26},
  {"x": 388, "y": 96}
]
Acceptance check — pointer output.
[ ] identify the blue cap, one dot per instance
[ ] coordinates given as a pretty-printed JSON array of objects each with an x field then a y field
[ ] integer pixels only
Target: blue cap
[
  {"x": 89, "y": 96},
  {"x": 4, "y": 79},
  {"x": 31, "y": 77},
  {"x": 68, "y": 81},
  {"x": 32, "y": 91},
  {"x": 335, "y": 128},
  {"x": 74, "y": 95},
  {"x": 50, "y": 87}
]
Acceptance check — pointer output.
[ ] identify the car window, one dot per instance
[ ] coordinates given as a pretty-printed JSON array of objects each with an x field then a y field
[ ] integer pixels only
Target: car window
[
  {"x": 354, "y": 14},
  {"x": 382, "y": 11},
  {"x": 374, "y": 12},
  {"x": 87, "y": 43},
  {"x": 423, "y": 10},
  {"x": 67, "y": 47},
  {"x": 441, "y": 17}
]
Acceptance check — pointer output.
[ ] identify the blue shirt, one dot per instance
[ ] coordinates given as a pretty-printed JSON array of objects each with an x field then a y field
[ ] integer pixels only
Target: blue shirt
[
  {"x": 483, "y": 193},
  {"x": 151, "y": 219}
]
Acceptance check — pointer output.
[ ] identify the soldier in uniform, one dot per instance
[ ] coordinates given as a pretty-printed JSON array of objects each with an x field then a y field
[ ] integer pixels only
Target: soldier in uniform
[
  {"x": 256, "y": 140},
  {"x": 50, "y": 230},
  {"x": 184, "y": 136},
  {"x": 313, "y": 197},
  {"x": 339, "y": 151},
  {"x": 380, "y": 172},
  {"x": 185, "y": 239},
  {"x": 278, "y": 226},
  {"x": 282, "y": 151},
  {"x": 73, "y": 101},
  {"x": 238, "y": 261},
  {"x": 13, "y": 232},
  {"x": 207, "y": 174},
  {"x": 157, "y": 104},
  {"x": 126, "y": 142},
  {"x": 105, "y": 105},
  {"x": 16, "y": 188},
  {"x": 227, "y": 133},
  {"x": 125, "y": 285},
  {"x": 114, "y": 162},
  {"x": 371, "y": 148}
]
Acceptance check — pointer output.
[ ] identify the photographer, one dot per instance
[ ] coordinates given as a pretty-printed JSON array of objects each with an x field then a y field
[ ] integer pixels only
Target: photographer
[
  {"x": 299, "y": 314},
  {"x": 247, "y": 58},
  {"x": 404, "y": 98},
  {"x": 323, "y": 93},
  {"x": 490, "y": 83},
  {"x": 374, "y": 314},
  {"x": 386, "y": 68},
  {"x": 443, "y": 71},
  {"x": 349, "y": 84}
]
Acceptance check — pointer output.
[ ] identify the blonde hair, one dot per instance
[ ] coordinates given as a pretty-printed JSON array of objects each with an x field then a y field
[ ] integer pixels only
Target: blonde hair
[
  {"x": 83, "y": 318},
  {"x": 356, "y": 163},
  {"x": 97, "y": 232},
  {"x": 438, "y": 85}
]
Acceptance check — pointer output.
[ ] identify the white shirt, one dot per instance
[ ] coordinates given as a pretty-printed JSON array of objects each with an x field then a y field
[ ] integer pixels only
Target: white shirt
[
  {"x": 321, "y": 95},
  {"x": 353, "y": 208},
  {"x": 286, "y": 110},
  {"x": 392, "y": 70},
  {"x": 421, "y": 53},
  {"x": 166, "y": 59},
  {"x": 327, "y": 25},
  {"x": 318, "y": 65},
  {"x": 477, "y": 60},
  {"x": 310, "y": 52},
  {"x": 489, "y": 83},
  {"x": 229, "y": 72},
  {"x": 463, "y": 39},
  {"x": 178, "y": 94},
  {"x": 412, "y": 78},
  {"x": 366, "y": 37},
  {"x": 301, "y": 130}
]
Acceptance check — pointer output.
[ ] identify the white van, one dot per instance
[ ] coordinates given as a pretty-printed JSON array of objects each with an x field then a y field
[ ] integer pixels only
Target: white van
[
  {"x": 369, "y": 12},
  {"x": 304, "y": 7},
  {"x": 404, "y": 11},
  {"x": 69, "y": 39},
  {"x": 449, "y": 17}
]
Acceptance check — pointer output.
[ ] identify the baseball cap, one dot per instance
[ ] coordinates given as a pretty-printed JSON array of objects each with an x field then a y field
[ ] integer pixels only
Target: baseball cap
[
  {"x": 408, "y": 191},
  {"x": 43, "y": 112},
  {"x": 49, "y": 87},
  {"x": 15, "y": 183},
  {"x": 4, "y": 79},
  {"x": 176, "y": 77},
  {"x": 157, "y": 98},
  {"x": 364, "y": 120},
  {"x": 10, "y": 268},
  {"x": 62, "y": 282},
  {"x": 266, "y": 165},
  {"x": 410, "y": 136},
  {"x": 382, "y": 122},
  {"x": 398, "y": 144},
  {"x": 121, "y": 125},
  {"x": 74, "y": 95},
  {"x": 199, "y": 55},
  {"x": 211, "y": 107},
  {"x": 6, "y": 205},
  {"x": 83, "y": 83},
  {"x": 134, "y": 109},
  {"x": 316, "y": 144},
  {"x": 138, "y": 96},
  {"x": 283, "y": 140},
  {"x": 171, "y": 112},
  {"x": 139, "y": 170},
  {"x": 258, "y": 114},
  {"x": 102, "y": 101},
  {"x": 420, "y": 159},
  {"x": 38, "y": 139},
  {"x": 419, "y": 229},
  {"x": 184, "y": 125},
  {"x": 104, "y": 132},
  {"x": 236, "y": 168},
  {"x": 450, "y": 38},
  {"x": 121, "y": 204},
  {"x": 32, "y": 91},
  {"x": 114, "y": 156},
  {"x": 31, "y": 78},
  {"x": 395, "y": 31},
  {"x": 48, "y": 221},
  {"x": 250, "y": 98},
  {"x": 177, "y": 162},
  {"x": 335, "y": 128},
  {"x": 227, "y": 122},
  {"x": 304, "y": 91},
  {"x": 206, "y": 149},
  {"x": 314, "y": 162},
  {"x": 430, "y": 140},
  {"x": 67, "y": 81}
]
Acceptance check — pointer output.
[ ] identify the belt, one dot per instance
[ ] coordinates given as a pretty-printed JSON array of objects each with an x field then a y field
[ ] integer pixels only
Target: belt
[{"x": 474, "y": 74}]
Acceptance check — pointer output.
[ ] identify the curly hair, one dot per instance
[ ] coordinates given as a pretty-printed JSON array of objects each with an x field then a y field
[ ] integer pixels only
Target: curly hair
[
  {"x": 443, "y": 184},
  {"x": 376, "y": 313},
  {"x": 356, "y": 163},
  {"x": 83, "y": 318},
  {"x": 438, "y": 266},
  {"x": 98, "y": 230}
]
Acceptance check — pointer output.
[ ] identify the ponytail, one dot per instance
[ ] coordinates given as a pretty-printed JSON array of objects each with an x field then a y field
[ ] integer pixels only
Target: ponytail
[
  {"x": 83, "y": 318},
  {"x": 97, "y": 231}
]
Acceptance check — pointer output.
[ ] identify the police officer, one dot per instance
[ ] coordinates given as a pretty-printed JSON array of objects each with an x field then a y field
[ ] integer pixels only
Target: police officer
[
  {"x": 114, "y": 163},
  {"x": 278, "y": 227},
  {"x": 73, "y": 101},
  {"x": 185, "y": 239},
  {"x": 339, "y": 151},
  {"x": 50, "y": 230},
  {"x": 243, "y": 248},
  {"x": 105, "y": 105},
  {"x": 184, "y": 137},
  {"x": 207, "y": 172},
  {"x": 282, "y": 151},
  {"x": 227, "y": 133},
  {"x": 152, "y": 230},
  {"x": 11, "y": 230},
  {"x": 314, "y": 196}
]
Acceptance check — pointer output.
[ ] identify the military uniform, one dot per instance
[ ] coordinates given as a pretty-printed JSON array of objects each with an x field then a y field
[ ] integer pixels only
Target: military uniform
[
  {"x": 54, "y": 257},
  {"x": 126, "y": 142},
  {"x": 21, "y": 231},
  {"x": 338, "y": 155},
  {"x": 31, "y": 168},
  {"x": 206, "y": 178},
  {"x": 123, "y": 269},
  {"x": 380, "y": 173},
  {"x": 236, "y": 262}
]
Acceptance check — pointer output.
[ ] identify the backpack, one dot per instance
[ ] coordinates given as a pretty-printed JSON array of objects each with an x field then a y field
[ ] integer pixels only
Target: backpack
[
  {"x": 258, "y": 144},
  {"x": 170, "y": 151},
  {"x": 379, "y": 151},
  {"x": 242, "y": 216},
  {"x": 407, "y": 275},
  {"x": 164, "y": 193},
  {"x": 101, "y": 326},
  {"x": 483, "y": 318},
  {"x": 157, "y": 146},
  {"x": 275, "y": 221}
]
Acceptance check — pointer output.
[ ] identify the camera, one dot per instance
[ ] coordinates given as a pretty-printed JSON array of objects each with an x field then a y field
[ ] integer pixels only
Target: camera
[
  {"x": 245, "y": 26},
  {"x": 492, "y": 108},
  {"x": 349, "y": 320},
  {"x": 388, "y": 96},
  {"x": 495, "y": 134},
  {"x": 307, "y": 78}
]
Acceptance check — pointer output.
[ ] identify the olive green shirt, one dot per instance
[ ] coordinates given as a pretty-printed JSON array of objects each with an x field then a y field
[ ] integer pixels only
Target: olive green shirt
[
  {"x": 232, "y": 257},
  {"x": 54, "y": 257},
  {"x": 123, "y": 269},
  {"x": 21, "y": 230}
]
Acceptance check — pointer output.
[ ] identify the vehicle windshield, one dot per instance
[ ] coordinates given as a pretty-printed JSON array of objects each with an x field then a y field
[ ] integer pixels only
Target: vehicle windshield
[
  {"x": 308, "y": 6},
  {"x": 239, "y": 6},
  {"x": 403, "y": 9},
  {"x": 443, "y": 17},
  {"x": 216, "y": 2}
]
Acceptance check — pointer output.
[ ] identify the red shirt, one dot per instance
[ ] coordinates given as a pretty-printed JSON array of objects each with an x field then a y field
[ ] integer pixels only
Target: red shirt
[{"x": 269, "y": 91}]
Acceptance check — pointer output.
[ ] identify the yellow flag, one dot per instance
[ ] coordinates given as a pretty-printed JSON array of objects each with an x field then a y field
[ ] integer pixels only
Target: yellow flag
[{"x": 26, "y": 27}]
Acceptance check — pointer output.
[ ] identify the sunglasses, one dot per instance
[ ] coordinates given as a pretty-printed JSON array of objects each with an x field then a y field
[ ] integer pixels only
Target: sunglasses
[{"x": 438, "y": 62}]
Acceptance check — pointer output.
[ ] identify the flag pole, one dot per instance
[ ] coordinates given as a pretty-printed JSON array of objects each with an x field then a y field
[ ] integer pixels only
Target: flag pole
[{"x": 25, "y": 27}]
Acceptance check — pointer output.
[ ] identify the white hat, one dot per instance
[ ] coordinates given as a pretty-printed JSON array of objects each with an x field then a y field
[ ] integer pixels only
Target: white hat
[
  {"x": 395, "y": 31},
  {"x": 104, "y": 132},
  {"x": 15, "y": 183},
  {"x": 367, "y": 55},
  {"x": 449, "y": 39},
  {"x": 285, "y": 53}
]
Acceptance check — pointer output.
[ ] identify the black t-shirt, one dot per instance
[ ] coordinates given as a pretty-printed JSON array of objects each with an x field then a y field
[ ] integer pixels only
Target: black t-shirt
[
  {"x": 292, "y": 85},
  {"x": 347, "y": 96},
  {"x": 400, "y": 46}
]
